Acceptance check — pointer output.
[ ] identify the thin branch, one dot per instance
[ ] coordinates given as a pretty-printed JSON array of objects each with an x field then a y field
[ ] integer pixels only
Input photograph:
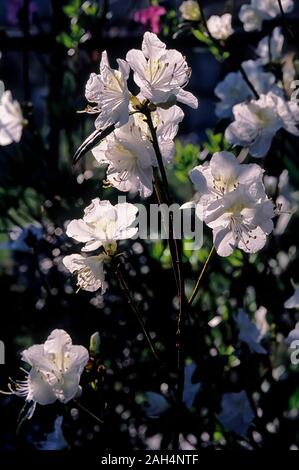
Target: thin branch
[
  {"x": 175, "y": 251},
  {"x": 197, "y": 285},
  {"x": 124, "y": 287},
  {"x": 81, "y": 407}
]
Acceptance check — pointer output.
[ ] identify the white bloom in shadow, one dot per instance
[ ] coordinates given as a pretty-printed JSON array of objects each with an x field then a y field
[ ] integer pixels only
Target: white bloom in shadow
[
  {"x": 160, "y": 73},
  {"x": 257, "y": 122},
  {"x": 103, "y": 224},
  {"x": 109, "y": 91},
  {"x": 253, "y": 15},
  {"x": 157, "y": 404},
  {"x": 56, "y": 368},
  {"x": 249, "y": 333},
  {"x": 220, "y": 27},
  {"x": 233, "y": 89},
  {"x": 271, "y": 50},
  {"x": 293, "y": 301},
  {"x": 11, "y": 119},
  {"x": 89, "y": 270},
  {"x": 237, "y": 413}
]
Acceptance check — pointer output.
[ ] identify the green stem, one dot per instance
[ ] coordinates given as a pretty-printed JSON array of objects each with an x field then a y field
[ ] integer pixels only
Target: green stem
[
  {"x": 135, "y": 310},
  {"x": 81, "y": 407},
  {"x": 197, "y": 285},
  {"x": 175, "y": 250}
]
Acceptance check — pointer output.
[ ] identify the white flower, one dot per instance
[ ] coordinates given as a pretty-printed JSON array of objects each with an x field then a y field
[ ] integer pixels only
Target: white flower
[
  {"x": 253, "y": 15},
  {"x": 234, "y": 89},
  {"x": 90, "y": 271},
  {"x": 241, "y": 220},
  {"x": 109, "y": 91},
  {"x": 161, "y": 74},
  {"x": 130, "y": 157},
  {"x": 222, "y": 175},
  {"x": 56, "y": 368},
  {"x": 220, "y": 27},
  {"x": 293, "y": 335},
  {"x": 257, "y": 122},
  {"x": 248, "y": 333},
  {"x": 232, "y": 201},
  {"x": 293, "y": 301},
  {"x": 129, "y": 152},
  {"x": 11, "y": 119},
  {"x": 166, "y": 122},
  {"x": 103, "y": 224},
  {"x": 190, "y": 10},
  {"x": 274, "y": 52},
  {"x": 237, "y": 413}
]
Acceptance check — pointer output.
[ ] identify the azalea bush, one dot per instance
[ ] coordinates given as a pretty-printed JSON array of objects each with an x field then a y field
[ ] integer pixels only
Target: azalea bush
[{"x": 149, "y": 248}]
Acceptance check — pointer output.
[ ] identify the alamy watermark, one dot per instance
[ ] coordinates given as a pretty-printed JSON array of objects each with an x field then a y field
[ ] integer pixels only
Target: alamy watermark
[
  {"x": 295, "y": 353},
  {"x": 161, "y": 222}
]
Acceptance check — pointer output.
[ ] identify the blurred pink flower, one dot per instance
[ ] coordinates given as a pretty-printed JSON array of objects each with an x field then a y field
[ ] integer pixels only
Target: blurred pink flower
[{"x": 150, "y": 16}]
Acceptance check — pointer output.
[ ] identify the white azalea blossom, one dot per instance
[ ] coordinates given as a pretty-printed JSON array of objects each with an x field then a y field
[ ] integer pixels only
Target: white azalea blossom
[
  {"x": 249, "y": 333},
  {"x": 90, "y": 271},
  {"x": 109, "y": 91},
  {"x": 190, "y": 10},
  {"x": 103, "y": 224},
  {"x": 130, "y": 158},
  {"x": 236, "y": 412},
  {"x": 166, "y": 123},
  {"x": 220, "y": 27},
  {"x": 11, "y": 118},
  {"x": 160, "y": 73},
  {"x": 234, "y": 89},
  {"x": 56, "y": 368},
  {"x": 232, "y": 201},
  {"x": 252, "y": 15},
  {"x": 257, "y": 122},
  {"x": 293, "y": 301},
  {"x": 270, "y": 50}
]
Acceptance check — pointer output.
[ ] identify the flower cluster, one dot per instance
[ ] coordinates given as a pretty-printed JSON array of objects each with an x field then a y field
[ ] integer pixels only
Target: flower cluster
[
  {"x": 232, "y": 201},
  {"x": 257, "y": 122},
  {"x": 233, "y": 89},
  {"x": 101, "y": 226}
]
